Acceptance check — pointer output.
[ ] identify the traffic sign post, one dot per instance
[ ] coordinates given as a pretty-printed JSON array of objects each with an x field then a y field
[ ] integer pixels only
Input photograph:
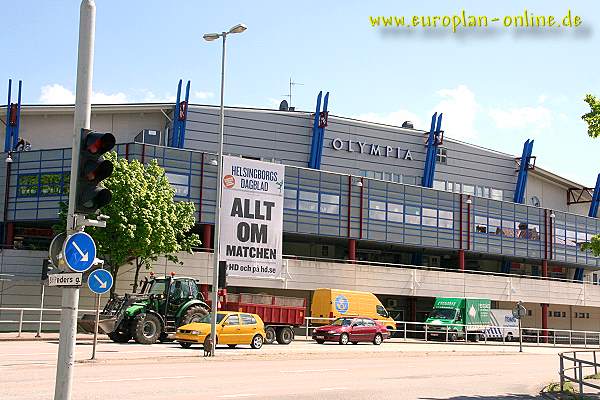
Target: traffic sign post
[
  {"x": 519, "y": 312},
  {"x": 99, "y": 281}
]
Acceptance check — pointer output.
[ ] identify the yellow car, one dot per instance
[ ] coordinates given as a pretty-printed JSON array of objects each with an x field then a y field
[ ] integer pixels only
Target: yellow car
[{"x": 233, "y": 328}]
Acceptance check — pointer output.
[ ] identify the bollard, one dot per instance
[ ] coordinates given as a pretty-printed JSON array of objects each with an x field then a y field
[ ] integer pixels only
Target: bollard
[
  {"x": 570, "y": 338},
  {"x": 426, "y": 333},
  {"x": 562, "y": 372},
  {"x": 595, "y": 364},
  {"x": 580, "y": 378},
  {"x": 20, "y": 323},
  {"x": 306, "y": 328},
  {"x": 405, "y": 331},
  {"x": 585, "y": 339}
]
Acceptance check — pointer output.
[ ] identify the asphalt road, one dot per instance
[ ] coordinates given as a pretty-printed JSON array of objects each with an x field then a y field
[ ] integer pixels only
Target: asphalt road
[{"x": 303, "y": 370}]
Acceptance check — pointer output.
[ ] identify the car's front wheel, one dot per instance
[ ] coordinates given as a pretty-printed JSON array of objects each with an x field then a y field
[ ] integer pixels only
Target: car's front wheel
[
  {"x": 344, "y": 338},
  {"x": 320, "y": 341},
  {"x": 185, "y": 345},
  {"x": 378, "y": 339},
  {"x": 257, "y": 342}
]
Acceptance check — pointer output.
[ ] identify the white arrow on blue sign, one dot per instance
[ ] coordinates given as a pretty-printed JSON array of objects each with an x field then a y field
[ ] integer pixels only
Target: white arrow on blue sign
[
  {"x": 100, "y": 281},
  {"x": 79, "y": 252}
]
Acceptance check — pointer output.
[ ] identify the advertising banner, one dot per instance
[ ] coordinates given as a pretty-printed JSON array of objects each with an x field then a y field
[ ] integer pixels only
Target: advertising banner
[{"x": 251, "y": 217}]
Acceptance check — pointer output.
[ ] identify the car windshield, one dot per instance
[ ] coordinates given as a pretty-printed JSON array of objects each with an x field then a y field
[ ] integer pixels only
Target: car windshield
[
  {"x": 443, "y": 313},
  {"x": 342, "y": 322},
  {"x": 206, "y": 318},
  {"x": 158, "y": 287}
]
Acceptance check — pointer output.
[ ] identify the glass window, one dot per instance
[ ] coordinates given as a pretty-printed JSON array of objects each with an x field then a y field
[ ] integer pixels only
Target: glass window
[
  {"x": 559, "y": 236},
  {"x": 508, "y": 228},
  {"x": 457, "y": 187},
  {"x": 413, "y": 215},
  {"x": 377, "y": 210},
  {"x": 233, "y": 320},
  {"x": 441, "y": 155},
  {"x": 486, "y": 192},
  {"x": 389, "y": 176},
  {"x": 480, "y": 224},
  {"x": 28, "y": 185},
  {"x": 377, "y": 175},
  {"x": 497, "y": 194},
  {"x": 304, "y": 205},
  {"x": 50, "y": 184},
  {"x": 395, "y": 212},
  {"x": 446, "y": 219},
  {"x": 429, "y": 217},
  {"x": 330, "y": 203},
  {"x": 311, "y": 196},
  {"x": 571, "y": 238},
  {"x": 290, "y": 198},
  {"x": 309, "y": 201},
  {"x": 479, "y": 191},
  {"x": 494, "y": 226},
  {"x": 248, "y": 319},
  {"x": 180, "y": 183},
  {"x": 194, "y": 292},
  {"x": 439, "y": 185},
  {"x": 469, "y": 189},
  {"x": 381, "y": 311},
  {"x": 450, "y": 186}
]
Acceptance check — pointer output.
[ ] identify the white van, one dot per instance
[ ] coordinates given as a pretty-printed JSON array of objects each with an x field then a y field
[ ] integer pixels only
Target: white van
[{"x": 503, "y": 324}]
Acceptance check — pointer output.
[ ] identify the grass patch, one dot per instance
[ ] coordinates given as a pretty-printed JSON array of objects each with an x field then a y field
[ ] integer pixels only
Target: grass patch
[
  {"x": 593, "y": 376},
  {"x": 554, "y": 387}
]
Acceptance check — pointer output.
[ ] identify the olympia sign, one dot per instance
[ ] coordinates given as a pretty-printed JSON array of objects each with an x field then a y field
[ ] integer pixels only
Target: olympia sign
[{"x": 251, "y": 217}]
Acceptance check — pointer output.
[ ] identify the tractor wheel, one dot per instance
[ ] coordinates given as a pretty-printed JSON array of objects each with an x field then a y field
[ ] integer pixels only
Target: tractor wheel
[
  {"x": 147, "y": 329},
  {"x": 193, "y": 314},
  {"x": 120, "y": 336},
  {"x": 285, "y": 335},
  {"x": 164, "y": 338},
  {"x": 269, "y": 335}
]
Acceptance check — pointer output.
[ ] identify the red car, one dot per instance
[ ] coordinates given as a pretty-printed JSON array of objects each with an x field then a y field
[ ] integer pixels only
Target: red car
[{"x": 351, "y": 329}]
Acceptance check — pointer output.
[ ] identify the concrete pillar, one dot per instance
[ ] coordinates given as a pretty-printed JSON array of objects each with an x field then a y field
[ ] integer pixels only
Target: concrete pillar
[
  {"x": 352, "y": 249},
  {"x": 207, "y": 236},
  {"x": 544, "y": 336},
  {"x": 412, "y": 309},
  {"x": 461, "y": 259}
]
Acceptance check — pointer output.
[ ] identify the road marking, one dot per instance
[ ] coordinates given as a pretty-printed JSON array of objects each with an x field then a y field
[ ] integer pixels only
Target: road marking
[
  {"x": 232, "y": 396},
  {"x": 300, "y": 371},
  {"x": 327, "y": 389},
  {"x": 141, "y": 379}
]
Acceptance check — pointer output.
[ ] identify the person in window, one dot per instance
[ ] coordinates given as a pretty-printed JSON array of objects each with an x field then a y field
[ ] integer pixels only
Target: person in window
[{"x": 22, "y": 145}]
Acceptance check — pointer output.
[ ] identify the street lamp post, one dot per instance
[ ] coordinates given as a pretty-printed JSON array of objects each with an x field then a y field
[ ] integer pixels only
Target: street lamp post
[{"x": 209, "y": 37}]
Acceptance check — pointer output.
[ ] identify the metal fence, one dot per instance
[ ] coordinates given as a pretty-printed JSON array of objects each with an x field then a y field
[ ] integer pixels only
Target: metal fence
[
  {"x": 36, "y": 317},
  {"x": 481, "y": 333},
  {"x": 585, "y": 360}
]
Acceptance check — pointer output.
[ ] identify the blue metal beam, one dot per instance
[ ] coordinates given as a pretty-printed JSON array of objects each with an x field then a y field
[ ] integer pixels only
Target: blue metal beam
[
  {"x": 519, "y": 194},
  {"x": 321, "y": 137},
  {"x": 7, "y": 138},
  {"x": 175, "y": 133},
  {"x": 182, "y": 123},
  {"x": 18, "y": 122},
  {"x": 595, "y": 199},
  {"x": 431, "y": 153},
  {"x": 312, "y": 160}
]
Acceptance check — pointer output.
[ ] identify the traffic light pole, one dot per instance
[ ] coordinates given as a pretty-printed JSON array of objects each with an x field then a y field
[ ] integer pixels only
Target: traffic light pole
[{"x": 83, "y": 111}]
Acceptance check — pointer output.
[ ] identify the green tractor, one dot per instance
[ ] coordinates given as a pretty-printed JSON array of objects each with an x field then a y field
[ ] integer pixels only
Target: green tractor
[{"x": 163, "y": 304}]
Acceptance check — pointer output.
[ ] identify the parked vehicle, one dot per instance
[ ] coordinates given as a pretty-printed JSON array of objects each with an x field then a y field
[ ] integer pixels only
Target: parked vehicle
[
  {"x": 281, "y": 314},
  {"x": 502, "y": 325},
  {"x": 352, "y": 329},
  {"x": 233, "y": 328},
  {"x": 163, "y": 304},
  {"x": 334, "y": 303},
  {"x": 458, "y": 315}
]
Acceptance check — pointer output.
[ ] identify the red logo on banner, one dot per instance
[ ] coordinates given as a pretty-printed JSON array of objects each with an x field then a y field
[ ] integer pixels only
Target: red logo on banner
[{"x": 229, "y": 181}]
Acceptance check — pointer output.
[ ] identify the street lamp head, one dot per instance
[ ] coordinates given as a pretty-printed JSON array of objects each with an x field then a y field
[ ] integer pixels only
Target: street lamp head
[
  {"x": 552, "y": 215},
  {"x": 209, "y": 37},
  {"x": 8, "y": 158},
  {"x": 214, "y": 162},
  {"x": 239, "y": 28}
]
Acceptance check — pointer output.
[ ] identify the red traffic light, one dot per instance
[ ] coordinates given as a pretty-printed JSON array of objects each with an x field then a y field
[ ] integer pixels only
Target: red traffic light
[{"x": 99, "y": 143}]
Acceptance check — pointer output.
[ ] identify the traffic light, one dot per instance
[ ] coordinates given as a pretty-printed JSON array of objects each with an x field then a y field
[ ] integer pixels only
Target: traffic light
[
  {"x": 90, "y": 194},
  {"x": 46, "y": 267}
]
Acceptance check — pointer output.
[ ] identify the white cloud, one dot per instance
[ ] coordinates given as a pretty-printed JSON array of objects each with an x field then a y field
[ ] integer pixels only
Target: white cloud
[
  {"x": 58, "y": 94},
  {"x": 149, "y": 97},
  {"x": 533, "y": 119},
  {"x": 459, "y": 108},
  {"x": 395, "y": 118},
  {"x": 203, "y": 95}
]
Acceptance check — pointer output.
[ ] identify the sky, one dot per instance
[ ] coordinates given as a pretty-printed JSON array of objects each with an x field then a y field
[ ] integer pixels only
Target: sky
[{"x": 497, "y": 87}]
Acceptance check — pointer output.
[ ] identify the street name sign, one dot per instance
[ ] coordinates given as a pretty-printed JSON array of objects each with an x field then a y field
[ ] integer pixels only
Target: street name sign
[
  {"x": 66, "y": 279},
  {"x": 79, "y": 252},
  {"x": 100, "y": 281}
]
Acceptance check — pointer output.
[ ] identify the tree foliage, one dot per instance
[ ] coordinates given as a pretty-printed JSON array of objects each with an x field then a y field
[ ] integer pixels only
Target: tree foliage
[
  {"x": 593, "y": 117},
  {"x": 144, "y": 220},
  {"x": 593, "y": 245}
]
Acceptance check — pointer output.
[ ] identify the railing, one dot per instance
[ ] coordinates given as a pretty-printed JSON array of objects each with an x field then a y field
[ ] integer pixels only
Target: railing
[
  {"x": 40, "y": 313},
  {"x": 480, "y": 333},
  {"x": 580, "y": 361}
]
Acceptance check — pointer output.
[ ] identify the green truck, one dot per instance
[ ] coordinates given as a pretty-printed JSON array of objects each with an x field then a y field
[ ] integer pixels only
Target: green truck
[{"x": 451, "y": 318}]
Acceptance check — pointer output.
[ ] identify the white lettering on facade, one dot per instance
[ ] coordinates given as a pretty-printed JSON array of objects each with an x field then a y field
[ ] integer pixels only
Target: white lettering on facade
[{"x": 374, "y": 150}]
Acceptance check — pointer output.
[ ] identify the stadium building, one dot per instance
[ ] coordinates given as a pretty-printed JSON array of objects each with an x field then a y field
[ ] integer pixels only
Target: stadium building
[{"x": 364, "y": 204}]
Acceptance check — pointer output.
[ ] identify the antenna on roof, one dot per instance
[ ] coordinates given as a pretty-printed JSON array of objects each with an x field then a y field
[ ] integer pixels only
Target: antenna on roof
[{"x": 292, "y": 83}]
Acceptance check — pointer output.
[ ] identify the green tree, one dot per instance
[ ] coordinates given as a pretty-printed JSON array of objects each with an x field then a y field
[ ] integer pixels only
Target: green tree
[
  {"x": 593, "y": 117},
  {"x": 593, "y": 121},
  {"x": 144, "y": 222}
]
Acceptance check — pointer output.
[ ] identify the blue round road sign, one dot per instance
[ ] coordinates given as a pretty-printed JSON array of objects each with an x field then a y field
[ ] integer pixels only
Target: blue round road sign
[
  {"x": 79, "y": 252},
  {"x": 100, "y": 281}
]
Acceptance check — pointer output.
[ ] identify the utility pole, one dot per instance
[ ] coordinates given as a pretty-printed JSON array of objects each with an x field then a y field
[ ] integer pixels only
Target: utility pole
[
  {"x": 290, "y": 93},
  {"x": 82, "y": 117}
]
